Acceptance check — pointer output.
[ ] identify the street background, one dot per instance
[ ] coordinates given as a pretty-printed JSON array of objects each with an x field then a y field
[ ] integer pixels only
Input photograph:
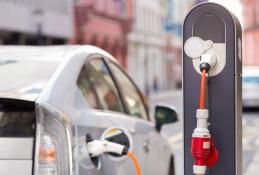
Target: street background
[{"x": 145, "y": 36}]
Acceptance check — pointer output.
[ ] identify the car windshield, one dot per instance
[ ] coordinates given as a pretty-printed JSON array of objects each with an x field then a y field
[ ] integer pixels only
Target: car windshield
[
  {"x": 24, "y": 76},
  {"x": 251, "y": 79}
]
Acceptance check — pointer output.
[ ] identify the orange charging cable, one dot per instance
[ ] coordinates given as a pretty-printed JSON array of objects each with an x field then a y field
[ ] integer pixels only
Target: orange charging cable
[
  {"x": 203, "y": 89},
  {"x": 135, "y": 161}
]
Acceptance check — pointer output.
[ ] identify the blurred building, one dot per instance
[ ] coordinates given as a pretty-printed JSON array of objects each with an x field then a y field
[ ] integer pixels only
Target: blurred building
[
  {"x": 176, "y": 11},
  {"x": 251, "y": 32},
  {"x": 146, "y": 56},
  {"x": 35, "y": 21},
  {"x": 155, "y": 43},
  {"x": 104, "y": 23},
  {"x": 201, "y": 1}
]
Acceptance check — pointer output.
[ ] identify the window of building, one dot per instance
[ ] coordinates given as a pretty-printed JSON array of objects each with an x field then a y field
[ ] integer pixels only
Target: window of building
[
  {"x": 257, "y": 12},
  {"x": 98, "y": 87},
  {"x": 117, "y": 7},
  {"x": 123, "y": 9}
]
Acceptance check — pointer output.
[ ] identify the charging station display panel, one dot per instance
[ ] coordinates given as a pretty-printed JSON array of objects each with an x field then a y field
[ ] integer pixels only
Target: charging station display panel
[{"x": 213, "y": 22}]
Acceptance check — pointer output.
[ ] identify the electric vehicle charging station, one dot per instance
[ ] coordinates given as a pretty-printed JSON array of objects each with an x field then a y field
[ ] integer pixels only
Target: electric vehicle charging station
[{"x": 212, "y": 37}]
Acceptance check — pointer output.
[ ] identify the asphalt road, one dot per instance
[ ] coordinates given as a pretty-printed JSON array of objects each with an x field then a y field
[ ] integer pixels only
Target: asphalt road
[
  {"x": 175, "y": 135},
  {"x": 250, "y": 142}
]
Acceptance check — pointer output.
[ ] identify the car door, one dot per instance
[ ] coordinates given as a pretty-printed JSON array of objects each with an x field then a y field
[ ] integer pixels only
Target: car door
[
  {"x": 105, "y": 108},
  {"x": 157, "y": 151}
]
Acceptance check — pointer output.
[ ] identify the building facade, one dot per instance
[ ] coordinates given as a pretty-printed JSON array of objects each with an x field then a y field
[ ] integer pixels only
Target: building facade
[
  {"x": 36, "y": 21},
  {"x": 146, "y": 56},
  {"x": 251, "y": 32},
  {"x": 104, "y": 23},
  {"x": 155, "y": 43},
  {"x": 176, "y": 11}
]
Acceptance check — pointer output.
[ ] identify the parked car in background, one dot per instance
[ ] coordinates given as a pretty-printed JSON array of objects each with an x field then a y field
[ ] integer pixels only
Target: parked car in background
[
  {"x": 251, "y": 87},
  {"x": 55, "y": 99}
]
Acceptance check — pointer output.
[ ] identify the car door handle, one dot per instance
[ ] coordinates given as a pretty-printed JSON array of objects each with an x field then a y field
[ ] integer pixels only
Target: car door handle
[{"x": 146, "y": 146}]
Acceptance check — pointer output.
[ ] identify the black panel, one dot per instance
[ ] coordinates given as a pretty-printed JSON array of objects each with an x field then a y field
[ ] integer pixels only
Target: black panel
[
  {"x": 210, "y": 27},
  {"x": 17, "y": 118},
  {"x": 14, "y": 105}
]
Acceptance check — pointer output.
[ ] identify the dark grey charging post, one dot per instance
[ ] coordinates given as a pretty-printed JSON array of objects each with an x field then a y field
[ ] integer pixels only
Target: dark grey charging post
[{"x": 210, "y": 21}]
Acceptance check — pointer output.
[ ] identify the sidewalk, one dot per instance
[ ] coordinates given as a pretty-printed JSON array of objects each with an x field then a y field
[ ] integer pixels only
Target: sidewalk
[
  {"x": 252, "y": 169},
  {"x": 166, "y": 95}
]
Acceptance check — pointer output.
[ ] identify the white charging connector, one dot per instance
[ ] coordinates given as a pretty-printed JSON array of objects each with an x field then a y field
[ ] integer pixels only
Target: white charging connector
[
  {"x": 209, "y": 58},
  {"x": 98, "y": 147}
]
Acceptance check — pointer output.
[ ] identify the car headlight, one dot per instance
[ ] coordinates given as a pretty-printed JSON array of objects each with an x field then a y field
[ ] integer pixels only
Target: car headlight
[{"x": 53, "y": 154}]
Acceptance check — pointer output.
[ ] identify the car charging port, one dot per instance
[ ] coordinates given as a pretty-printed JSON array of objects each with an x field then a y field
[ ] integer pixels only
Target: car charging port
[
  {"x": 120, "y": 136},
  {"x": 109, "y": 144},
  {"x": 98, "y": 147}
]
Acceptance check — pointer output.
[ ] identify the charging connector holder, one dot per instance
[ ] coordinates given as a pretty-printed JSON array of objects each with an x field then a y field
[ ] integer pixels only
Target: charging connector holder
[{"x": 199, "y": 50}]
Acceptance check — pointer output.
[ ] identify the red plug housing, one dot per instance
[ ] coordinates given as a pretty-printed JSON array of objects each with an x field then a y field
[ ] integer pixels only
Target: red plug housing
[
  {"x": 203, "y": 149},
  {"x": 204, "y": 153}
]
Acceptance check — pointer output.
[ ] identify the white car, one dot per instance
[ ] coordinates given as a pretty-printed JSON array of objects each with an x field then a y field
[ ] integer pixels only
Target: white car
[
  {"x": 250, "y": 87},
  {"x": 55, "y": 100}
]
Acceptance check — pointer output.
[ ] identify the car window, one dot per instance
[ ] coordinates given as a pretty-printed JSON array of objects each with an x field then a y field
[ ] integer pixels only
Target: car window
[
  {"x": 98, "y": 87},
  {"x": 130, "y": 93}
]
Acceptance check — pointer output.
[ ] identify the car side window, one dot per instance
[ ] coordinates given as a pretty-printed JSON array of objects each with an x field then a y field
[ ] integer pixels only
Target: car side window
[
  {"x": 130, "y": 93},
  {"x": 98, "y": 87}
]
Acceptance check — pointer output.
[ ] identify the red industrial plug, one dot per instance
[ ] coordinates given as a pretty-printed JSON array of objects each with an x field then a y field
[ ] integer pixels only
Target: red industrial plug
[{"x": 203, "y": 150}]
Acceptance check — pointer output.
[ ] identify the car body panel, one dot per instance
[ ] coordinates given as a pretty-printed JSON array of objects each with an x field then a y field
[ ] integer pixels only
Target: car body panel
[
  {"x": 29, "y": 70},
  {"x": 14, "y": 167},
  {"x": 16, "y": 148}
]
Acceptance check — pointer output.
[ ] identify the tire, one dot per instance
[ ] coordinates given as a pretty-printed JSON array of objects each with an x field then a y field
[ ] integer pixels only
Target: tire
[{"x": 171, "y": 166}]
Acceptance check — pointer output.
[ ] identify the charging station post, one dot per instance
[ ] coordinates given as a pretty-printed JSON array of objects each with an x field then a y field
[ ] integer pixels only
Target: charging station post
[{"x": 212, "y": 22}]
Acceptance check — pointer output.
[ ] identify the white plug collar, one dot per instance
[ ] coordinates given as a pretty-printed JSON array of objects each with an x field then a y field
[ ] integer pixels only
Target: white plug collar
[{"x": 98, "y": 147}]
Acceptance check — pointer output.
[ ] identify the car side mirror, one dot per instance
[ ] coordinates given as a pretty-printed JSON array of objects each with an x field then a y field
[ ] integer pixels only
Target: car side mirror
[{"x": 165, "y": 114}]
